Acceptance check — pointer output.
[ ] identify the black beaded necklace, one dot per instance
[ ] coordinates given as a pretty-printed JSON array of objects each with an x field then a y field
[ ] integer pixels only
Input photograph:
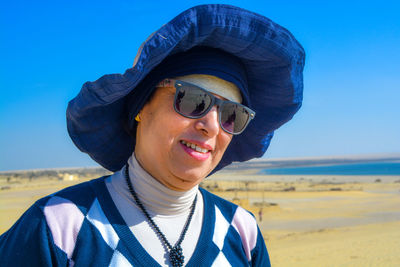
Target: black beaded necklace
[{"x": 175, "y": 252}]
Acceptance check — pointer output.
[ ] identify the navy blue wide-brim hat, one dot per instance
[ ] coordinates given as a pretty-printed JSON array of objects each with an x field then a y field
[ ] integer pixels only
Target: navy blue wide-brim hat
[{"x": 271, "y": 56}]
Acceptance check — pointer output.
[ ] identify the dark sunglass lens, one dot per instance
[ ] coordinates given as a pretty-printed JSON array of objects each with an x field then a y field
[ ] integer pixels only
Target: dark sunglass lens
[
  {"x": 234, "y": 117},
  {"x": 191, "y": 101}
]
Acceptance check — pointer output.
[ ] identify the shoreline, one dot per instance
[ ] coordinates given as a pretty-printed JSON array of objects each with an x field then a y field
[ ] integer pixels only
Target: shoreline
[{"x": 253, "y": 175}]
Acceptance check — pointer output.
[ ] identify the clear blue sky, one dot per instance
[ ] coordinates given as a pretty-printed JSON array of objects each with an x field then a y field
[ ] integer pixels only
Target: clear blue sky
[{"x": 50, "y": 48}]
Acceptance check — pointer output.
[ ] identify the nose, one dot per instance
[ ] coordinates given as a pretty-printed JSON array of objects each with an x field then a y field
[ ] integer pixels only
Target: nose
[{"x": 209, "y": 123}]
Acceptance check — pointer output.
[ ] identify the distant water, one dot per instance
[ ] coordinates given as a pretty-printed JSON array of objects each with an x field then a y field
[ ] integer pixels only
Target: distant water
[{"x": 371, "y": 168}]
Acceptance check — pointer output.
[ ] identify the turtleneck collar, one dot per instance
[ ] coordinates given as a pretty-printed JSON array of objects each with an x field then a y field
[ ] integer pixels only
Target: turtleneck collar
[{"x": 156, "y": 197}]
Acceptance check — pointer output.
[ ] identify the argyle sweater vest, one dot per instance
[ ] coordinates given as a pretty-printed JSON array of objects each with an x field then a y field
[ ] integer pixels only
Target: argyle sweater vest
[{"x": 81, "y": 226}]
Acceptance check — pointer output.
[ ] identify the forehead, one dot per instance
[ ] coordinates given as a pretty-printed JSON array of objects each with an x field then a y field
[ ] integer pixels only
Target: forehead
[
  {"x": 171, "y": 90},
  {"x": 189, "y": 86},
  {"x": 215, "y": 85},
  {"x": 218, "y": 87}
]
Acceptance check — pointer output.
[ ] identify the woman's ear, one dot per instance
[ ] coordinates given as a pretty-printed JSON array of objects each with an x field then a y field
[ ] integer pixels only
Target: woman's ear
[{"x": 137, "y": 118}]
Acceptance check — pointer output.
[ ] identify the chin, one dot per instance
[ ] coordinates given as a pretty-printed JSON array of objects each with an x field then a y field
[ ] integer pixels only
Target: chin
[{"x": 194, "y": 175}]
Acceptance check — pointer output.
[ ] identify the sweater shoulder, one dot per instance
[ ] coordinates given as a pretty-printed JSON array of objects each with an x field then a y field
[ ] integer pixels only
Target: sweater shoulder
[
  {"x": 81, "y": 195},
  {"x": 227, "y": 208}
]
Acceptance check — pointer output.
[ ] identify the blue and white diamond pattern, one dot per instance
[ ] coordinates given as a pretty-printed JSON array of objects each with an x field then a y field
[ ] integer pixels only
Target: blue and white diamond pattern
[
  {"x": 221, "y": 229},
  {"x": 97, "y": 217},
  {"x": 65, "y": 220},
  {"x": 118, "y": 260},
  {"x": 65, "y": 230}
]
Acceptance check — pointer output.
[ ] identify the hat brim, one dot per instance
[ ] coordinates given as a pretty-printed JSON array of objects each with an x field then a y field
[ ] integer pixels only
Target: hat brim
[{"x": 272, "y": 57}]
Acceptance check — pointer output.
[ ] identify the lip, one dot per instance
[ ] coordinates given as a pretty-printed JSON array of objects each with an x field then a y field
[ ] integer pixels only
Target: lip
[
  {"x": 200, "y": 144},
  {"x": 194, "y": 154}
]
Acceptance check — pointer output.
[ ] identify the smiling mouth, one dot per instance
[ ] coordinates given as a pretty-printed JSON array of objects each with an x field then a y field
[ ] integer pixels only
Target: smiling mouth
[{"x": 194, "y": 147}]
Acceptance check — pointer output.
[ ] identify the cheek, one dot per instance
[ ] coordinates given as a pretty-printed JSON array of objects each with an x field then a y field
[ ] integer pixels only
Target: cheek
[
  {"x": 224, "y": 140},
  {"x": 170, "y": 126}
]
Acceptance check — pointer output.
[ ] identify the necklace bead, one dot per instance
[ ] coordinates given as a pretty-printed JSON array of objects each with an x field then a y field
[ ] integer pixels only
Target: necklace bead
[{"x": 175, "y": 252}]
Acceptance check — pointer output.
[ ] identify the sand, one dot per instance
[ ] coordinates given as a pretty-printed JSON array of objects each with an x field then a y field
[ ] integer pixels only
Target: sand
[
  {"x": 306, "y": 220},
  {"x": 361, "y": 245}
]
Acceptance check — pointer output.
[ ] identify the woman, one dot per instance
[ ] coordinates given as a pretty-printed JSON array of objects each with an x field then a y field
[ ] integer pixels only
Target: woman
[{"x": 186, "y": 109}]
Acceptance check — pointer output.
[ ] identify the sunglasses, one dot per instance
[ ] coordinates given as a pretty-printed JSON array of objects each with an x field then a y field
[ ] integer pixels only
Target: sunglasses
[{"x": 192, "y": 101}]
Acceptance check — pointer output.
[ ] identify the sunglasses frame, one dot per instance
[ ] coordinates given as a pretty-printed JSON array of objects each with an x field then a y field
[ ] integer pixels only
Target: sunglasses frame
[{"x": 214, "y": 101}]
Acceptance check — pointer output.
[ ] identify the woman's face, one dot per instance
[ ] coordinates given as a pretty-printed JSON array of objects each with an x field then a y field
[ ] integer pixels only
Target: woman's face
[{"x": 163, "y": 137}]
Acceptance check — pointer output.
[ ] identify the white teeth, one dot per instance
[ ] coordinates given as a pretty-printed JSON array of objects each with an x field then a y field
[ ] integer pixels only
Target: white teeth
[{"x": 194, "y": 147}]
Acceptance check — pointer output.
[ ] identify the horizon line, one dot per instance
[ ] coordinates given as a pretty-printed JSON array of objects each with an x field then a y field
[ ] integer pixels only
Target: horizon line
[{"x": 362, "y": 157}]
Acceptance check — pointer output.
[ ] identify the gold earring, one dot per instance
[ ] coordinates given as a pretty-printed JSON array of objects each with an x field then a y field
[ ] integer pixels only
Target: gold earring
[{"x": 137, "y": 118}]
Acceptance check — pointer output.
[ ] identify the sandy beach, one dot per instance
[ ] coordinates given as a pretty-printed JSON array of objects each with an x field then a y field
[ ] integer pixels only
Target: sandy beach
[
  {"x": 305, "y": 220},
  {"x": 323, "y": 220}
]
